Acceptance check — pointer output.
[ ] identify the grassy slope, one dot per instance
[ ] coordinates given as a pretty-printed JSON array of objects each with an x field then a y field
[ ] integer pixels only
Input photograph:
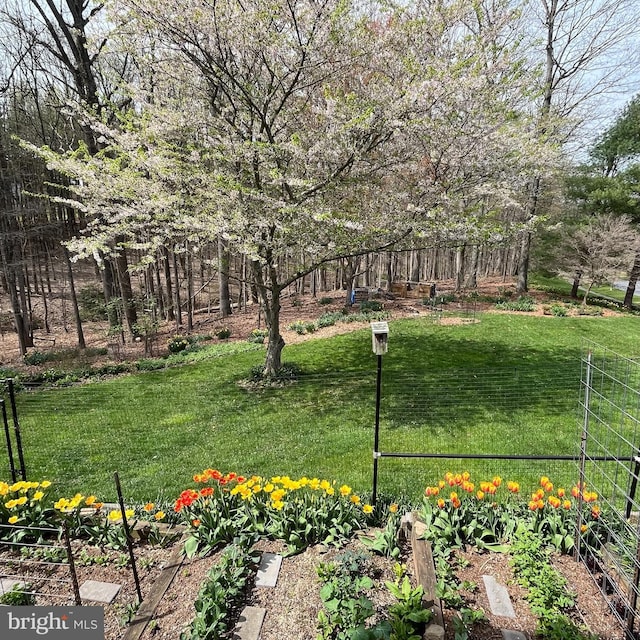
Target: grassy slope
[{"x": 158, "y": 428}]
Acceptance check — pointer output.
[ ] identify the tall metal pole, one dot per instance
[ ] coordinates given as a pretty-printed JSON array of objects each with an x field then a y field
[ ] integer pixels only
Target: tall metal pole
[
  {"x": 583, "y": 450},
  {"x": 16, "y": 427},
  {"x": 376, "y": 437}
]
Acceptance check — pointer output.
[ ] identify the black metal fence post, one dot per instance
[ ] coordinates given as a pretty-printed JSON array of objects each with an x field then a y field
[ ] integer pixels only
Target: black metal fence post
[
  {"x": 127, "y": 532},
  {"x": 376, "y": 436},
  {"x": 7, "y": 435},
  {"x": 72, "y": 566},
  {"x": 16, "y": 427}
]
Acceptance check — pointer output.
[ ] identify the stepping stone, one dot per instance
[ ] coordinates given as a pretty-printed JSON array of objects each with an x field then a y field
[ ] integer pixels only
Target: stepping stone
[
  {"x": 499, "y": 600},
  {"x": 95, "y": 591},
  {"x": 512, "y": 635},
  {"x": 268, "y": 570},
  {"x": 7, "y": 584},
  {"x": 249, "y": 623}
]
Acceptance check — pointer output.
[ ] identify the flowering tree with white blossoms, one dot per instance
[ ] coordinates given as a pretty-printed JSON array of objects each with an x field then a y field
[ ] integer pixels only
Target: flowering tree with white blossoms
[{"x": 308, "y": 128}]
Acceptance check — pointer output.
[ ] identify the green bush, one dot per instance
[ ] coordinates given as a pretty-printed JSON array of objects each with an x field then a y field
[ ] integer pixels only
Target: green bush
[
  {"x": 36, "y": 358},
  {"x": 367, "y": 306},
  {"x": 258, "y": 336},
  {"x": 223, "y": 333},
  {"x": 150, "y": 364},
  {"x": 329, "y": 319},
  {"x": 299, "y": 326},
  {"x": 325, "y": 300},
  {"x": 523, "y": 303},
  {"x": 177, "y": 344},
  {"x": 91, "y": 304}
]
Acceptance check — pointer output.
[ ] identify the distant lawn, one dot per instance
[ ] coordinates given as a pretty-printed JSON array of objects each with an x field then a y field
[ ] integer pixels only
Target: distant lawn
[
  {"x": 506, "y": 384},
  {"x": 564, "y": 287}
]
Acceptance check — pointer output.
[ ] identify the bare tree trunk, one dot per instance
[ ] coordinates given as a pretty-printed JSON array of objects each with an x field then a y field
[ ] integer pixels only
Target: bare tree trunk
[
  {"x": 74, "y": 301},
  {"x": 576, "y": 284},
  {"x": 633, "y": 280},
  {"x": 166, "y": 267},
  {"x": 128, "y": 303},
  {"x": 459, "y": 267},
  {"x": 523, "y": 263},
  {"x": 223, "y": 278},
  {"x": 472, "y": 278},
  {"x": 176, "y": 297},
  {"x": 270, "y": 300},
  {"x": 188, "y": 274}
]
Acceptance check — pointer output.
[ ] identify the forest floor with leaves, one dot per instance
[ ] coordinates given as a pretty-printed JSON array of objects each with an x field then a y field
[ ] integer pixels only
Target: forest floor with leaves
[{"x": 306, "y": 308}]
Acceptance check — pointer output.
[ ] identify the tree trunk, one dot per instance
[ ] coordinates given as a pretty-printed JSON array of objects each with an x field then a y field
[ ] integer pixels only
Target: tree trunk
[
  {"x": 128, "y": 303},
  {"x": 223, "y": 278},
  {"x": 270, "y": 300},
  {"x": 523, "y": 263},
  {"x": 74, "y": 302},
  {"x": 633, "y": 280},
  {"x": 167, "y": 279},
  {"x": 459, "y": 268},
  {"x": 576, "y": 284},
  {"x": 176, "y": 304},
  {"x": 472, "y": 278}
]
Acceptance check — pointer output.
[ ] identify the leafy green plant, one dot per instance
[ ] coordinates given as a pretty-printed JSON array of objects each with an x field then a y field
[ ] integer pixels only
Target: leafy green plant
[
  {"x": 299, "y": 326},
  {"x": 177, "y": 344},
  {"x": 258, "y": 336},
  {"x": 91, "y": 304},
  {"x": 464, "y": 620},
  {"x": 19, "y": 596},
  {"x": 325, "y": 300},
  {"x": 523, "y": 303},
  {"x": 367, "y": 306},
  {"x": 223, "y": 333},
  {"x": 342, "y": 593},
  {"x": 547, "y": 589},
  {"x": 385, "y": 542},
  {"x": 407, "y": 616},
  {"x": 221, "y": 595}
]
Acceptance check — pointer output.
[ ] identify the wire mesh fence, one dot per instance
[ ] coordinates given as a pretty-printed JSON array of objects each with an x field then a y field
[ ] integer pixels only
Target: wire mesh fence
[
  {"x": 610, "y": 466},
  {"x": 168, "y": 425},
  {"x": 36, "y": 566}
]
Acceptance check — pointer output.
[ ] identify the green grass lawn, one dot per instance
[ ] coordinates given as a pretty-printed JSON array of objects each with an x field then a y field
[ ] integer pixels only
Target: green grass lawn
[{"x": 507, "y": 384}]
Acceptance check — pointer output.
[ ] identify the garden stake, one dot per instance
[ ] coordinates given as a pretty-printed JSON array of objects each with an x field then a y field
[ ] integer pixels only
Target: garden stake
[
  {"x": 72, "y": 566},
  {"x": 7, "y": 435},
  {"x": 16, "y": 427},
  {"x": 127, "y": 532}
]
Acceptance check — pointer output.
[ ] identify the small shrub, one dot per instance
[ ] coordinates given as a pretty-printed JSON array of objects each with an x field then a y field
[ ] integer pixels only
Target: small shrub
[
  {"x": 177, "y": 344},
  {"x": 91, "y": 304},
  {"x": 150, "y": 364},
  {"x": 18, "y": 596},
  {"x": 325, "y": 300},
  {"x": 224, "y": 333},
  {"x": 523, "y": 303},
  {"x": 310, "y": 327},
  {"x": 367, "y": 306},
  {"x": 589, "y": 311},
  {"x": 329, "y": 319},
  {"x": 558, "y": 310},
  {"x": 258, "y": 336},
  {"x": 36, "y": 358},
  {"x": 113, "y": 369},
  {"x": 299, "y": 326}
]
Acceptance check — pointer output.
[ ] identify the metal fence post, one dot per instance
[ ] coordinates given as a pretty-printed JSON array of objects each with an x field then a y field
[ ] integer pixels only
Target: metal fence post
[
  {"x": 7, "y": 435},
  {"x": 583, "y": 451},
  {"x": 16, "y": 427}
]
